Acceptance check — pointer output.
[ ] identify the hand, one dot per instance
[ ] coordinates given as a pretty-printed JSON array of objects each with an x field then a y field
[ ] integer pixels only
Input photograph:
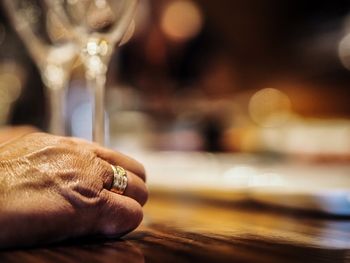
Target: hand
[
  {"x": 53, "y": 188},
  {"x": 12, "y": 132}
]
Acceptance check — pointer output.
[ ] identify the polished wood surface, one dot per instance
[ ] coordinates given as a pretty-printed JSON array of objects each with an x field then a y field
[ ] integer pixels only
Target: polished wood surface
[{"x": 179, "y": 228}]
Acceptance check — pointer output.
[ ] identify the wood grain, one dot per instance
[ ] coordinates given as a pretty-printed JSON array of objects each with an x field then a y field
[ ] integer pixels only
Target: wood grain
[{"x": 179, "y": 228}]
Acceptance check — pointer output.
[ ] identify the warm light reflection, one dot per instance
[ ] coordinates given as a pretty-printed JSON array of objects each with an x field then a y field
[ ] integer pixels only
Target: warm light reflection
[
  {"x": 181, "y": 20},
  {"x": 319, "y": 137},
  {"x": 95, "y": 50},
  {"x": 309, "y": 137},
  {"x": 247, "y": 176},
  {"x": 96, "y": 47},
  {"x": 239, "y": 175},
  {"x": 54, "y": 74},
  {"x": 269, "y": 107}
]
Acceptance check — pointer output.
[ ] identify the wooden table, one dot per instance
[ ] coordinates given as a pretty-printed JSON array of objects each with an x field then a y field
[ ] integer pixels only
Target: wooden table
[{"x": 179, "y": 228}]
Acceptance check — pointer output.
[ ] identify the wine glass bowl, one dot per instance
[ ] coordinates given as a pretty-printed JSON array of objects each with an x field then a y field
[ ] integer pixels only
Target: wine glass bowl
[{"x": 107, "y": 19}]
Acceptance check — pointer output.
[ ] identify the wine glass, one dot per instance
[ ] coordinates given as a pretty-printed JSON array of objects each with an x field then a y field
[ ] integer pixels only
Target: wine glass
[
  {"x": 51, "y": 48},
  {"x": 97, "y": 26}
]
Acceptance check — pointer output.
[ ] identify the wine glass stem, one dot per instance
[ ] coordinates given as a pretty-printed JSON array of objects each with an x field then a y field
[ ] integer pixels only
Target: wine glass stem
[
  {"x": 57, "y": 110},
  {"x": 96, "y": 55},
  {"x": 97, "y": 86}
]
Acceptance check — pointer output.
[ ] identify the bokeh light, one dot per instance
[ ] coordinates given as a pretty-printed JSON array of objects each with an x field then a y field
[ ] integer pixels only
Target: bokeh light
[
  {"x": 270, "y": 107},
  {"x": 181, "y": 20},
  {"x": 10, "y": 87}
]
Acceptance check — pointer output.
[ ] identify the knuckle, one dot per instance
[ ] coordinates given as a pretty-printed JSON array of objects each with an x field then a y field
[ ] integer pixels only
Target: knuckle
[{"x": 105, "y": 173}]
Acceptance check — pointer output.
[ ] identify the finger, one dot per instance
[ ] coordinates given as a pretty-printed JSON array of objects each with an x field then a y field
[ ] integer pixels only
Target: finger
[
  {"x": 115, "y": 158},
  {"x": 136, "y": 188},
  {"x": 122, "y": 160},
  {"x": 118, "y": 215}
]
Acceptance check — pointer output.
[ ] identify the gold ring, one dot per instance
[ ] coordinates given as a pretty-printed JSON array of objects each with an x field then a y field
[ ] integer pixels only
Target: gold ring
[{"x": 120, "y": 179}]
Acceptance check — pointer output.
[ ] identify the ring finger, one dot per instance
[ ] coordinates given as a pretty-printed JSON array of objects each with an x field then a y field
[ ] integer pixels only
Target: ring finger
[{"x": 135, "y": 188}]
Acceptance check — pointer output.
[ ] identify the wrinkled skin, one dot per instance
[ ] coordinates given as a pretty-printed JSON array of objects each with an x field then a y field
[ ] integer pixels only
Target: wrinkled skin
[{"x": 53, "y": 188}]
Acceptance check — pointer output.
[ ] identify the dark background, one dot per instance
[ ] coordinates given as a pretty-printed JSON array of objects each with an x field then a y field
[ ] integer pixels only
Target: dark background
[{"x": 244, "y": 45}]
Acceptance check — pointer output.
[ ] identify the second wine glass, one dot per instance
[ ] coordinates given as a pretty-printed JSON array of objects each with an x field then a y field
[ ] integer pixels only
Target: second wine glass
[{"x": 51, "y": 48}]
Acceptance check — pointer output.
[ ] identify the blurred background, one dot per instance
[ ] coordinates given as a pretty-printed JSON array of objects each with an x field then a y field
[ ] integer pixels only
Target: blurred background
[{"x": 242, "y": 76}]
